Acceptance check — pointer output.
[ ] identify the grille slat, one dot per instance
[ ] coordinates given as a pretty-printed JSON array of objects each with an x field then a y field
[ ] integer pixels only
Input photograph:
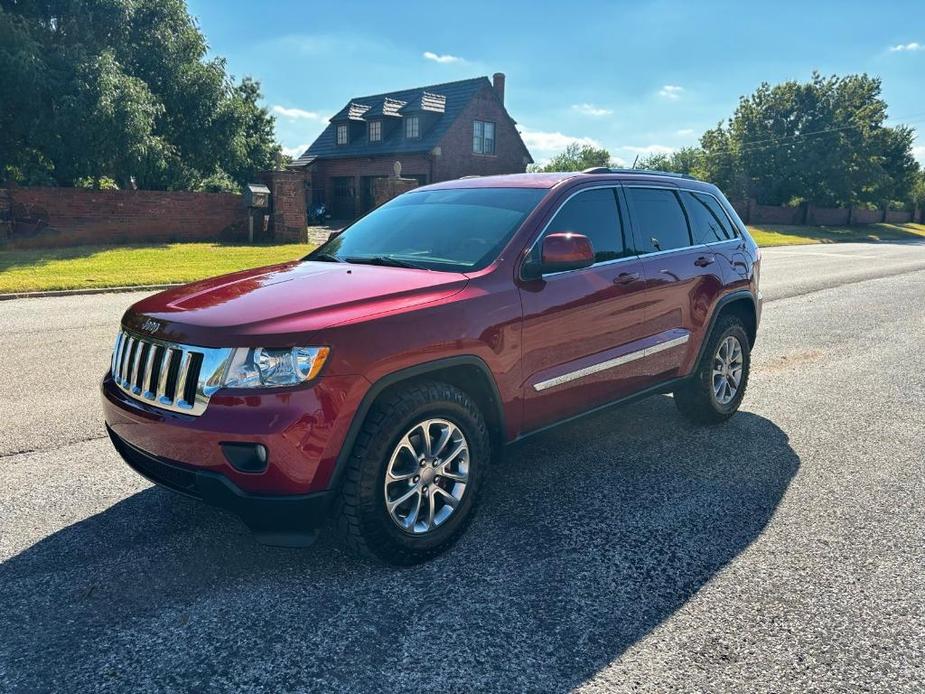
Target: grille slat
[
  {"x": 185, "y": 363},
  {"x": 161, "y": 395},
  {"x": 166, "y": 375}
]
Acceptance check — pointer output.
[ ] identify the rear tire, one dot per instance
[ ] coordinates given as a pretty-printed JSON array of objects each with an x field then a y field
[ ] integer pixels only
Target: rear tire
[
  {"x": 715, "y": 389},
  {"x": 403, "y": 430}
]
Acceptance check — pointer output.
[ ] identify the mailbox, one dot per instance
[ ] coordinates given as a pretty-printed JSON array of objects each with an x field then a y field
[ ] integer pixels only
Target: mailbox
[{"x": 256, "y": 195}]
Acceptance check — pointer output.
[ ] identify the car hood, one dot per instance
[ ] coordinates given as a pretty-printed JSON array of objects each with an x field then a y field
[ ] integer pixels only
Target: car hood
[{"x": 280, "y": 302}]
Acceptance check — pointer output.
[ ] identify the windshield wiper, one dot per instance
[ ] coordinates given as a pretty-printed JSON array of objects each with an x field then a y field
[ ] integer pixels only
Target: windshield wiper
[
  {"x": 383, "y": 260},
  {"x": 325, "y": 258}
]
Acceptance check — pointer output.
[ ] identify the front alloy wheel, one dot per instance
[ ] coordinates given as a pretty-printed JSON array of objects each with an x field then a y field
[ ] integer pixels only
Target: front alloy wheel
[
  {"x": 427, "y": 476},
  {"x": 412, "y": 481}
]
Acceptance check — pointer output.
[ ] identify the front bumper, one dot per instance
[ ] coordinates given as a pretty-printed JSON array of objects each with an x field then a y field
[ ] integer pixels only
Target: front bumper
[
  {"x": 302, "y": 429},
  {"x": 289, "y": 520}
]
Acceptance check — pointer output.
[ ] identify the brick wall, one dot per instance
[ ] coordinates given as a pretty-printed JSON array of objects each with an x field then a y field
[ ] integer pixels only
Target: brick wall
[
  {"x": 288, "y": 214},
  {"x": 456, "y": 156},
  {"x": 43, "y": 217},
  {"x": 753, "y": 213}
]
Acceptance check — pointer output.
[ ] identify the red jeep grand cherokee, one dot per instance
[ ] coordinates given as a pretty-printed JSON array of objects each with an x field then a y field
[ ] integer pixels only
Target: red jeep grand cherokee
[{"x": 373, "y": 380}]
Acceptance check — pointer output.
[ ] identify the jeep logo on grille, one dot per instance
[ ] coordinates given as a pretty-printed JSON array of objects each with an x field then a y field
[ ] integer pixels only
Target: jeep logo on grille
[{"x": 150, "y": 325}]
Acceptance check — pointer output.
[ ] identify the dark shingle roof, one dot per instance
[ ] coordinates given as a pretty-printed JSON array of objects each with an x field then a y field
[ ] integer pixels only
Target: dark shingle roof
[
  {"x": 352, "y": 111},
  {"x": 386, "y": 107},
  {"x": 448, "y": 99},
  {"x": 426, "y": 102}
]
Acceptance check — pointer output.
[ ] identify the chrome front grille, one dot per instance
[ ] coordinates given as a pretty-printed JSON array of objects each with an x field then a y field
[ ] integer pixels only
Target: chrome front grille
[{"x": 174, "y": 377}]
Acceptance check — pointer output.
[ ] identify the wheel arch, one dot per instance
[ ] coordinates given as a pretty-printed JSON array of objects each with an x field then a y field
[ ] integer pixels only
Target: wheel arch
[
  {"x": 740, "y": 304},
  {"x": 469, "y": 373}
]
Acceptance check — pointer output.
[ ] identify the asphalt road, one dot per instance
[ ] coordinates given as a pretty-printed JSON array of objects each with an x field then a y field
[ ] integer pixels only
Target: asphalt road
[{"x": 781, "y": 551}]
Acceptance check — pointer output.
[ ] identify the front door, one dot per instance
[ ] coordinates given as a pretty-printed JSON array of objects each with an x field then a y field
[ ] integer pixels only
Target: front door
[
  {"x": 683, "y": 277},
  {"x": 583, "y": 330}
]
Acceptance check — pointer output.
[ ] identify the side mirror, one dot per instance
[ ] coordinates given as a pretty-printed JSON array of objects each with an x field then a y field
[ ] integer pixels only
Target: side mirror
[{"x": 561, "y": 251}]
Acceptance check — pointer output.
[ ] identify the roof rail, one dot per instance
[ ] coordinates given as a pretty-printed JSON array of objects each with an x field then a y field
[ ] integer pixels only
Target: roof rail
[{"x": 647, "y": 172}]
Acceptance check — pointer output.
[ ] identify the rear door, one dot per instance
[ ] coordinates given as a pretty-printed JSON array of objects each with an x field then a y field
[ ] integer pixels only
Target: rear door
[
  {"x": 683, "y": 278},
  {"x": 581, "y": 327}
]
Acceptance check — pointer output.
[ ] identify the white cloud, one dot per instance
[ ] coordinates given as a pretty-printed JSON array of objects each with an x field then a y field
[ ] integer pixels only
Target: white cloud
[
  {"x": 297, "y": 113},
  {"x": 295, "y": 152},
  {"x": 671, "y": 92},
  {"x": 919, "y": 153},
  {"x": 912, "y": 46},
  {"x": 650, "y": 149},
  {"x": 591, "y": 110},
  {"x": 684, "y": 132},
  {"x": 445, "y": 58},
  {"x": 540, "y": 142}
]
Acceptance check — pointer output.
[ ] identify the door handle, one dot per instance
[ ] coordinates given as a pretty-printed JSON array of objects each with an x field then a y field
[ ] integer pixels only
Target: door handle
[
  {"x": 626, "y": 277},
  {"x": 704, "y": 260}
]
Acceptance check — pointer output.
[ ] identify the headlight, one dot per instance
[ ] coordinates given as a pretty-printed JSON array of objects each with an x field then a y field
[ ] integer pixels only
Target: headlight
[{"x": 259, "y": 367}]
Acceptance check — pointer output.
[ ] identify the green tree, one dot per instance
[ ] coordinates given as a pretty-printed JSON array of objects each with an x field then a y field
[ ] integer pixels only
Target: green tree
[
  {"x": 687, "y": 160},
  {"x": 822, "y": 141},
  {"x": 122, "y": 89},
  {"x": 575, "y": 157}
]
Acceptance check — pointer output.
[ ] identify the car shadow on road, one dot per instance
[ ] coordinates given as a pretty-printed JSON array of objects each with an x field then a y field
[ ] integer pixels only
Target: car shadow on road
[{"x": 588, "y": 537}]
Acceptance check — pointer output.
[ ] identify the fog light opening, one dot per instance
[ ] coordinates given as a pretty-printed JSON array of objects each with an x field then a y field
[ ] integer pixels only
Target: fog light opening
[{"x": 246, "y": 457}]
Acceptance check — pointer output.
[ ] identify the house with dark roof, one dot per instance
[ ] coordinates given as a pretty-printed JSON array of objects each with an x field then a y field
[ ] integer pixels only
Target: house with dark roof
[{"x": 436, "y": 133}]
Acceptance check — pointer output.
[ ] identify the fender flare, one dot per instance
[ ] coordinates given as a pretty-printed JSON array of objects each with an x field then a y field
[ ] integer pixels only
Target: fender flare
[
  {"x": 390, "y": 379},
  {"x": 724, "y": 301}
]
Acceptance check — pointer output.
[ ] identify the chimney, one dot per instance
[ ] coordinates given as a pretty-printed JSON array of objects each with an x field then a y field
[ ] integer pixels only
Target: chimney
[{"x": 498, "y": 83}]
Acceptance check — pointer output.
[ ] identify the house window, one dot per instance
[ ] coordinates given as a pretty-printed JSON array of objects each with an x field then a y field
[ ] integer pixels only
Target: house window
[
  {"x": 483, "y": 137},
  {"x": 412, "y": 127},
  {"x": 343, "y": 134},
  {"x": 375, "y": 131}
]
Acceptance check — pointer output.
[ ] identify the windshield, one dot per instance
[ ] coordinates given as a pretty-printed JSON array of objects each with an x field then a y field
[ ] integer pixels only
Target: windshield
[{"x": 458, "y": 230}]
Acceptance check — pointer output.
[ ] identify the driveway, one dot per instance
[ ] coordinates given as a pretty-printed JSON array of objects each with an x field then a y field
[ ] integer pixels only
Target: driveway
[{"x": 630, "y": 551}]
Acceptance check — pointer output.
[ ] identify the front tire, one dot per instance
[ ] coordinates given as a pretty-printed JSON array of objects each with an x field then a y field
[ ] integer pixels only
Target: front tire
[
  {"x": 413, "y": 477},
  {"x": 715, "y": 390}
]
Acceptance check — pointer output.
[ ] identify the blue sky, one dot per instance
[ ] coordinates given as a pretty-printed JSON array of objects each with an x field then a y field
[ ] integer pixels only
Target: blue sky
[{"x": 635, "y": 77}]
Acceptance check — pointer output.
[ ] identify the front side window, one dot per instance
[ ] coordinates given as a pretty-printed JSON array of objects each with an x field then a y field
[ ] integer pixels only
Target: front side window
[
  {"x": 375, "y": 131},
  {"x": 413, "y": 127},
  {"x": 454, "y": 230},
  {"x": 658, "y": 218},
  {"x": 709, "y": 222},
  {"x": 483, "y": 137},
  {"x": 593, "y": 213},
  {"x": 343, "y": 134}
]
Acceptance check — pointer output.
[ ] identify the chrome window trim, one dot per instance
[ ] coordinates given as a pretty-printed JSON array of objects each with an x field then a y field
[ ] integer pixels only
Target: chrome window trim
[
  {"x": 616, "y": 185},
  {"x": 610, "y": 363}
]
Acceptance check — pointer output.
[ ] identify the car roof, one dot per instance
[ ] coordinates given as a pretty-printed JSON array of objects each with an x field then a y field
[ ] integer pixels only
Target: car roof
[{"x": 550, "y": 180}]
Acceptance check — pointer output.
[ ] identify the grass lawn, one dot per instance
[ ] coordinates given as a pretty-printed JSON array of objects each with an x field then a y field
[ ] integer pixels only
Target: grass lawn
[
  {"x": 82, "y": 267},
  {"x": 796, "y": 235}
]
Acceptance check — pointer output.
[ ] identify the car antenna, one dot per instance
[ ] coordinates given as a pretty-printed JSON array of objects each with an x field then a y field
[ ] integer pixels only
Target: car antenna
[{"x": 635, "y": 160}]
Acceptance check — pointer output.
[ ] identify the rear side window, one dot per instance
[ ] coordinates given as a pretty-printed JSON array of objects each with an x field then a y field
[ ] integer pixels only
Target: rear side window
[
  {"x": 709, "y": 222},
  {"x": 593, "y": 213},
  {"x": 659, "y": 219}
]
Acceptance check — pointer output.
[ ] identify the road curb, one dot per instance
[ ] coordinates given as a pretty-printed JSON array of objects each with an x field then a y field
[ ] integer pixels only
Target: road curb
[{"x": 94, "y": 290}]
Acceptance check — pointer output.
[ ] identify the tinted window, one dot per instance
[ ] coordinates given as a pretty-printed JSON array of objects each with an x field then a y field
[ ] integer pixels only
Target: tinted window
[
  {"x": 458, "y": 229},
  {"x": 659, "y": 220},
  {"x": 594, "y": 214},
  {"x": 709, "y": 222}
]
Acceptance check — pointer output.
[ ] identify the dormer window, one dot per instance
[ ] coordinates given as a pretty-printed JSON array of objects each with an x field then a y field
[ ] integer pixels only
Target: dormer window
[
  {"x": 375, "y": 131},
  {"x": 343, "y": 134},
  {"x": 483, "y": 137},
  {"x": 413, "y": 127}
]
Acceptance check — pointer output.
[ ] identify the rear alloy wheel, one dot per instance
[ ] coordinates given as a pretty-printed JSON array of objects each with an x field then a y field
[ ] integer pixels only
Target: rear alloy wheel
[
  {"x": 715, "y": 389},
  {"x": 412, "y": 480}
]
